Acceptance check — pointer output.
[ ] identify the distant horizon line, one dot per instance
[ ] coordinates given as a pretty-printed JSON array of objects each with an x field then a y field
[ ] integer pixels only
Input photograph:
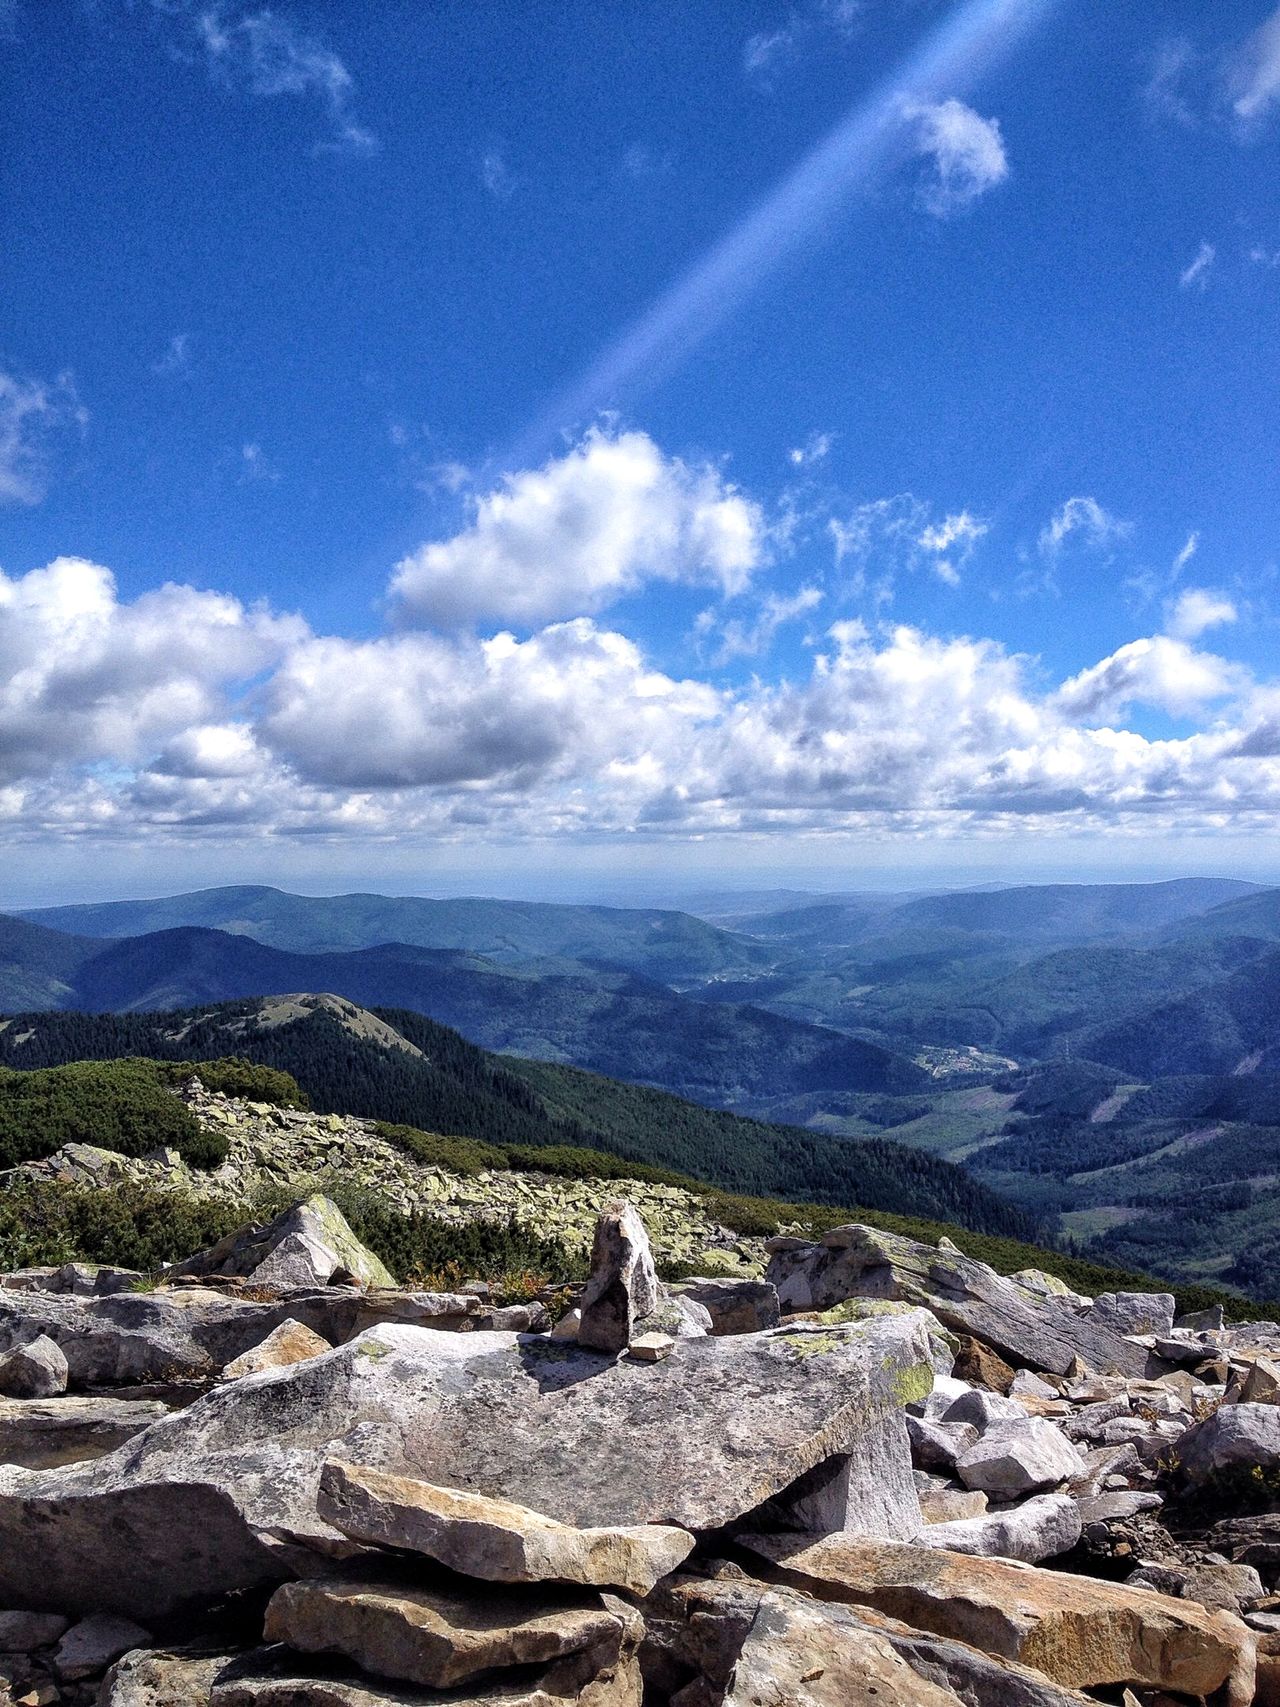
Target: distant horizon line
[{"x": 590, "y": 895}]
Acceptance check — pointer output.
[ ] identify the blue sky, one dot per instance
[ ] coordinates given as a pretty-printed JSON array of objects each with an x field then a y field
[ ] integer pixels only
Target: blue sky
[{"x": 810, "y": 439}]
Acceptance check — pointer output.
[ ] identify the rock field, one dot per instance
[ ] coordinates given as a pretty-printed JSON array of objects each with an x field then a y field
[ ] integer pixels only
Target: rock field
[{"x": 881, "y": 1476}]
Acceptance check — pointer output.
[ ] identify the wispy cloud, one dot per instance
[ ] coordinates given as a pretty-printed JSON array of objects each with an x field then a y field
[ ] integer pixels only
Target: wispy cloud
[
  {"x": 1195, "y": 276},
  {"x": 816, "y": 448},
  {"x": 496, "y": 176},
  {"x": 264, "y": 52},
  {"x": 966, "y": 154},
  {"x": 804, "y": 28},
  {"x": 34, "y": 414},
  {"x": 885, "y": 537},
  {"x": 1253, "y": 76},
  {"x": 176, "y": 357},
  {"x": 256, "y": 469},
  {"x": 1167, "y": 92},
  {"x": 1082, "y": 521},
  {"x": 1186, "y": 554},
  {"x": 1236, "y": 83},
  {"x": 740, "y": 637}
]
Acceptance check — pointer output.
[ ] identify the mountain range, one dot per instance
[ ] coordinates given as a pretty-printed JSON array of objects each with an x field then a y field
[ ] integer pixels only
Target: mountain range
[{"x": 1107, "y": 1057}]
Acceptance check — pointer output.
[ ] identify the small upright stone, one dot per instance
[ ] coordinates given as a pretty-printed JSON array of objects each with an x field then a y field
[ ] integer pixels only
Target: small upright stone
[{"x": 623, "y": 1285}]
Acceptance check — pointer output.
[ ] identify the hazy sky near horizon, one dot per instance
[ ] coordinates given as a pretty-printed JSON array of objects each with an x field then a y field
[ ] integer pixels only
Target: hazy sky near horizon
[{"x": 702, "y": 437}]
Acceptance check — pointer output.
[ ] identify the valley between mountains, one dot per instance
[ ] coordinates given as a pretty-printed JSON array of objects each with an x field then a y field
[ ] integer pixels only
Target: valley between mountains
[{"x": 1094, "y": 1065}]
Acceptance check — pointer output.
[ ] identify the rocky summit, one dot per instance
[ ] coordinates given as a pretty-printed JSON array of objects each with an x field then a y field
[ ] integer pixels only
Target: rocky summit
[{"x": 883, "y": 1476}]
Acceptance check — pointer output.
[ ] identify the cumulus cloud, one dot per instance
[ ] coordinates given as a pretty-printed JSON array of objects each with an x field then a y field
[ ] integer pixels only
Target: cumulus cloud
[
  {"x": 1195, "y": 276},
  {"x": 1082, "y": 521},
  {"x": 34, "y": 415},
  {"x": 419, "y": 710},
  {"x": 264, "y": 52},
  {"x": 1161, "y": 671},
  {"x": 87, "y": 678},
  {"x": 185, "y": 713},
  {"x": 1197, "y": 610},
  {"x": 581, "y": 532},
  {"x": 966, "y": 154}
]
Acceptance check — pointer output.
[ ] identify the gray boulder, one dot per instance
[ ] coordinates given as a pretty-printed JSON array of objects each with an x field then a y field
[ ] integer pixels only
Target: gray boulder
[
  {"x": 22, "y": 1632},
  {"x": 222, "y": 1495},
  {"x": 1041, "y": 1528},
  {"x": 981, "y": 1409},
  {"x": 1013, "y": 1459},
  {"x": 1235, "y": 1437},
  {"x": 623, "y": 1286},
  {"x": 90, "y": 1646},
  {"x": 37, "y": 1370},
  {"x": 309, "y": 1244},
  {"x": 735, "y": 1306},
  {"x": 937, "y": 1445},
  {"x": 1134, "y": 1312},
  {"x": 965, "y": 1295},
  {"x": 163, "y": 1677}
]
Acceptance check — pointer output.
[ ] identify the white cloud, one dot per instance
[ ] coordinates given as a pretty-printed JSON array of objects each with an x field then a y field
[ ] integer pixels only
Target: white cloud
[
  {"x": 1261, "y": 256},
  {"x": 1084, "y": 521},
  {"x": 1253, "y": 77},
  {"x": 581, "y": 532},
  {"x": 952, "y": 542},
  {"x": 269, "y": 56},
  {"x": 117, "y": 717},
  {"x": 419, "y": 710},
  {"x": 85, "y": 678},
  {"x": 966, "y": 151},
  {"x": 34, "y": 414},
  {"x": 1159, "y": 671},
  {"x": 1197, "y": 610},
  {"x": 816, "y": 448},
  {"x": 1195, "y": 276},
  {"x": 742, "y": 638}
]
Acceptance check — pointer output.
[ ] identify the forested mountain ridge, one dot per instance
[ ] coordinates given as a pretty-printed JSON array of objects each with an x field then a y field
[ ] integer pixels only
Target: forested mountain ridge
[
  {"x": 350, "y": 1062},
  {"x": 657, "y": 942}
]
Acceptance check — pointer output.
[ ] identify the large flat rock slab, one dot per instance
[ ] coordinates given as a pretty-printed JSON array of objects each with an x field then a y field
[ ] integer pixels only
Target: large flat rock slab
[
  {"x": 712, "y": 1626},
  {"x": 194, "y": 1332},
  {"x": 965, "y": 1295},
  {"x": 1079, "y": 1631},
  {"x": 223, "y": 1495}
]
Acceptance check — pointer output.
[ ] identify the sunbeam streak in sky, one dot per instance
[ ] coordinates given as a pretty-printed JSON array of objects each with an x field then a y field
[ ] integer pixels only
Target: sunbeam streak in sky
[{"x": 867, "y": 139}]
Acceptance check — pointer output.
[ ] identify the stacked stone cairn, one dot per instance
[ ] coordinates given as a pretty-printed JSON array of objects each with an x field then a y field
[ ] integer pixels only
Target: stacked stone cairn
[{"x": 880, "y": 1476}]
